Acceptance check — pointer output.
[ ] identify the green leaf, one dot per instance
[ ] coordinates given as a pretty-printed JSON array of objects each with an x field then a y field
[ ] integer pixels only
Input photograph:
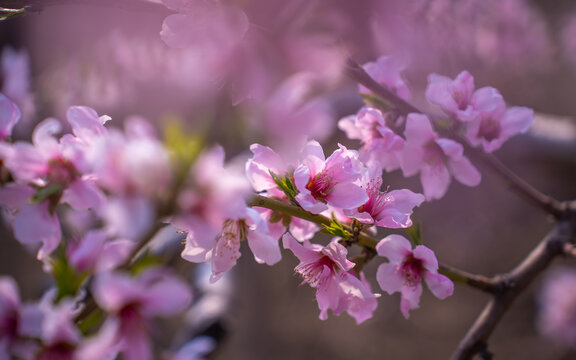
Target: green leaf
[
  {"x": 68, "y": 280},
  {"x": 46, "y": 192},
  {"x": 184, "y": 147},
  {"x": 337, "y": 229},
  {"x": 286, "y": 184}
]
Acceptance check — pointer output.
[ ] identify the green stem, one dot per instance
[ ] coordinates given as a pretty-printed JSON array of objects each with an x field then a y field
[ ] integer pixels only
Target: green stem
[{"x": 366, "y": 241}]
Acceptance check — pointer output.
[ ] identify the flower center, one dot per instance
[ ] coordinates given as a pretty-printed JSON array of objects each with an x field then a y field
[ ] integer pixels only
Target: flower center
[
  {"x": 489, "y": 129},
  {"x": 412, "y": 270},
  {"x": 320, "y": 186},
  {"x": 312, "y": 272}
]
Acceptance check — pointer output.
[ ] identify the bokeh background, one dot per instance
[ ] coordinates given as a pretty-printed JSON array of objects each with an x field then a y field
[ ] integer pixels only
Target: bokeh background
[{"x": 113, "y": 59}]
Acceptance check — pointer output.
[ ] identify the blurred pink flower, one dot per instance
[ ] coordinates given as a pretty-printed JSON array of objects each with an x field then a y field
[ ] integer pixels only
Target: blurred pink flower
[
  {"x": 15, "y": 80},
  {"x": 19, "y": 323},
  {"x": 132, "y": 302},
  {"x": 557, "y": 315},
  {"x": 328, "y": 182},
  {"x": 406, "y": 270},
  {"x": 387, "y": 71},
  {"x": 9, "y": 116},
  {"x": 493, "y": 124},
  {"x": 453, "y": 96},
  {"x": 437, "y": 159}
]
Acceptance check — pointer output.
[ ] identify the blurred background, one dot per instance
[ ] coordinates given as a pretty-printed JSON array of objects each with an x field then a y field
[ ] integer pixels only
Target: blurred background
[{"x": 281, "y": 82}]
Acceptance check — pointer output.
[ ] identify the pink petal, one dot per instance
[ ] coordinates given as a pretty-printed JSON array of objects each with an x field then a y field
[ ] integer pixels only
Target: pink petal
[
  {"x": 165, "y": 294},
  {"x": 517, "y": 120},
  {"x": 303, "y": 254},
  {"x": 410, "y": 299},
  {"x": 347, "y": 196},
  {"x": 83, "y": 195},
  {"x": 464, "y": 171},
  {"x": 439, "y": 285},
  {"x": 9, "y": 115},
  {"x": 394, "y": 247},
  {"x": 427, "y": 256},
  {"x": 418, "y": 129},
  {"x": 435, "y": 181},
  {"x": 34, "y": 224},
  {"x": 85, "y": 122},
  {"x": 264, "y": 247},
  {"x": 388, "y": 278}
]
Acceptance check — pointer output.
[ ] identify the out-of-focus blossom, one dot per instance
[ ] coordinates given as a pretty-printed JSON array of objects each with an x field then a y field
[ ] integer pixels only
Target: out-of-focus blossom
[
  {"x": 52, "y": 171},
  {"x": 387, "y": 71},
  {"x": 327, "y": 270},
  {"x": 453, "y": 96},
  {"x": 476, "y": 34},
  {"x": 19, "y": 323},
  {"x": 557, "y": 316},
  {"x": 407, "y": 269},
  {"x": 96, "y": 253},
  {"x": 485, "y": 119},
  {"x": 216, "y": 218},
  {"x": 391, "y": 209},
  {"x": 295, "y": 112},
  {"x": 15, "y": 80},
  {"x": 9, "y": 116},
  {"x": 328, "y": 181},
  {"x": 60, "y": 336},
  {"x": 380, "y": 145},
  {"x": 132, "y": 303},
  {"x": 493, "y": 124},
  {"x": 437, "y": 159}
]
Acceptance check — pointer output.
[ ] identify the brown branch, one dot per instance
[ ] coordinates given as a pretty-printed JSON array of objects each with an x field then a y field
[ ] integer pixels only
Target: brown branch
[{"x": 512, "y": 284}]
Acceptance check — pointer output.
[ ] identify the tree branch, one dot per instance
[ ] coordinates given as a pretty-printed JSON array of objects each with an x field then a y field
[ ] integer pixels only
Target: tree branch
[
  {"x": 512, "y": 284},
  {"x": 364, "y": 240}
]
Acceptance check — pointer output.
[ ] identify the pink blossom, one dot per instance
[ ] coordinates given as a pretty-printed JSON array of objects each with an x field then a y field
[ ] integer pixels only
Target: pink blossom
[
  {"x": 391, "y": 209},
  {"x": 380, "y": 145},
  {"x": 9, "y": 116},
  {"x": 260, "y": 166},
  {"x": 406, "y": 270},
  {"x": 437, "y": 159},
  {"x": 493, "y": 124},
  {"x": 557, "y": 316},
  {"x": 19, "y": 323},
  {"x": 294, "y": 112},
  {"x": 388, "y": 72},
  {"x": 132, "y": 301},
  {"x": 216, "y": 218},
  {"x": 453, "y": 96},
  {"x": 96, "y": 253},
  {"x": 258, "y": 171},
  {"x": 326, "y": 269},
  {"x": 328, "y": 182}
]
